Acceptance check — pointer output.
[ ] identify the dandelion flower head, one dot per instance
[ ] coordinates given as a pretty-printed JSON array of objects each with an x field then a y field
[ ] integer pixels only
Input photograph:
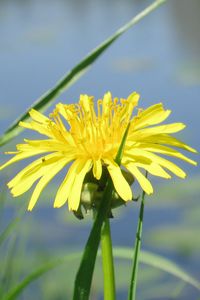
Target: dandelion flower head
[{"x": 88, "y": 139}]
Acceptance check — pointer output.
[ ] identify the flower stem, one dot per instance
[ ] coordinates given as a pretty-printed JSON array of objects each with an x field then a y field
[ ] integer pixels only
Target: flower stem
[
  {"x": 107, "y": 262},
  {"x": 84, "y": 275},
  {"x": 133, "y": 283}
]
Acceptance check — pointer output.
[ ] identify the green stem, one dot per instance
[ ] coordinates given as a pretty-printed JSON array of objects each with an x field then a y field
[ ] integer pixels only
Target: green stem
[
  {"x": 133, "y": 284},
  {"x": 107, "y": 262},
  {"x": 84, "y": 275}
]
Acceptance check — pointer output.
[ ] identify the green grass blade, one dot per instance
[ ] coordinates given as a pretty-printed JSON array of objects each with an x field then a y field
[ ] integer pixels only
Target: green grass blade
[
  {"x": 10, "y": 227},
  {"x": 147, "y": 258},
  {"x": 85, "y": 272},
  {"x": 7, "y": 277},
  {"x": 72, "y": 76},
  {"x": 136, "y": 253},
  {"x": 17, "y": 290},
  {"x": 159, "y": 262},
  {"x": 2, "y": 203}
]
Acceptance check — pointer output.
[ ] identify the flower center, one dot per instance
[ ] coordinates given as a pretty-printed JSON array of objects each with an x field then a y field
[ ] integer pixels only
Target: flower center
[{"x": 97, "y": 135}]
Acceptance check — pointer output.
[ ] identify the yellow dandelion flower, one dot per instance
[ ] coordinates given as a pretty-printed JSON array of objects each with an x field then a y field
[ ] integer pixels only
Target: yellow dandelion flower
[{"x": 90, "y": 140}]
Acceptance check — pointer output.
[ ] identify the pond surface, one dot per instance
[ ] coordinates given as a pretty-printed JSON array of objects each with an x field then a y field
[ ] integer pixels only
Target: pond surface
[{"x": 159, "y": 58}]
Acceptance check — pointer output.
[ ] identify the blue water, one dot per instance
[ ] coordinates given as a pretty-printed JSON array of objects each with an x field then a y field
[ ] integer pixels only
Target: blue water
[{"x": 159, "y": 58}]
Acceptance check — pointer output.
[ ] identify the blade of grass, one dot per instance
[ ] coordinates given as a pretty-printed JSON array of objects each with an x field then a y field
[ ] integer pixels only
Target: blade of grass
[
  {"x": 2, "y": 202},
  {"x": 146, "y": 257},
  {"x": 8, "y": 273},
  {"x": 85, "y": 272},
  {"x": 72, "y": 76},
  {"x": 12, "y": 225},
  {"x": 6, "y": 232},
  {"x": 17, "y": 290},
  {"x": 138, "y": 240},
  {"x": 158, "y": 262}
]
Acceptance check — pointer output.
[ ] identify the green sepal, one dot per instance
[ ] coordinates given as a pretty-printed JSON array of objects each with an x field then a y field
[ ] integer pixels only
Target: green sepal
[{"x": 92, "y": 193}]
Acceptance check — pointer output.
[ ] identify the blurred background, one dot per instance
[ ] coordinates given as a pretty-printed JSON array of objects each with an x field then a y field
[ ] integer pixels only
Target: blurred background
[{"x": 159, "y": 58}]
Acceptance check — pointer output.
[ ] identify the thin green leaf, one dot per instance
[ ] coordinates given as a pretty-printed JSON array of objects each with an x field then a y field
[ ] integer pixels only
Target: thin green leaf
[
  {"x": 9, "y": 233},
  {"x": 72, "y": 76},
  {"x": 2, "y": 203},
  {"x": 11, "y": 226},
  {"x": 159, "y": 262},
  {"x": 7, "y": 278},
  {"x": 146, "y": 257},
  {"x": 137, "y": 247},
  {"x": 17, "y": 290},
  {"x": 85, "y": 272},
  {"x": 6, "y": 232}
]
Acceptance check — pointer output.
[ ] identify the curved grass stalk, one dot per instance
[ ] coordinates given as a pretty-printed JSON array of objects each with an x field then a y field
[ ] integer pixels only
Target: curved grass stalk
[
  {"x": 146, "y": 257},
  {"x": 133, "y": 283},
  {"x": 74, "y": 74},
  {"x": 84, "y": 275}
]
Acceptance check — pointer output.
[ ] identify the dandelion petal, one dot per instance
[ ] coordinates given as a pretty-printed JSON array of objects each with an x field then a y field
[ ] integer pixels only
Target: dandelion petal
[
  {"x": 121, "y": 185},
  {"x": 75, "y": 193},
  {"x": 143, "y": 181},
  {"x": 44, "y": 181}
]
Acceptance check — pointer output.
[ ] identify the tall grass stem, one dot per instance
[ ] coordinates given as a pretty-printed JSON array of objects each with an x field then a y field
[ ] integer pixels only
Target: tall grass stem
[{"x": 133, "y": 283}]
